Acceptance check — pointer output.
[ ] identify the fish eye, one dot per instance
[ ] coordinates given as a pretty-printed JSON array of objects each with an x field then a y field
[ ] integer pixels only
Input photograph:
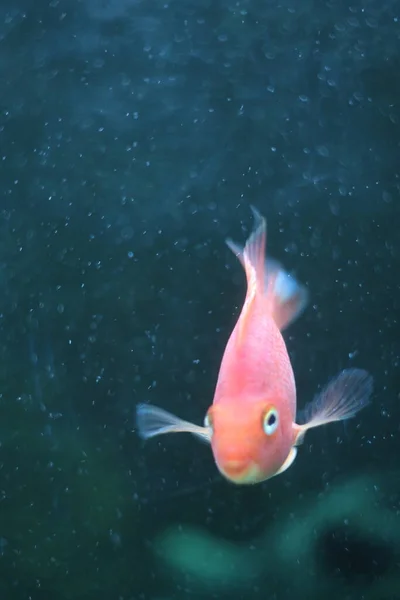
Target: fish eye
[
  {"x": 270, "y": 421},
  {"x": 208, "y": 423}
]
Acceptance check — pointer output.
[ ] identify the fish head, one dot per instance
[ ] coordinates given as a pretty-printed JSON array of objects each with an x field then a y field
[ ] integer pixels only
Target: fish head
[{"x": 250, "y": 441}]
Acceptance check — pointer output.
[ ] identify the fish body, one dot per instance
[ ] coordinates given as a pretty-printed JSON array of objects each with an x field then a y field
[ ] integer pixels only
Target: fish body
[
  {"x": 251, "y": 424},
  {"x": 256, "y": 376}
]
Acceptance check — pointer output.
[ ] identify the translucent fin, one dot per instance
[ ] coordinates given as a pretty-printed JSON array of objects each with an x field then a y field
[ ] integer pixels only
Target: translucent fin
[
  {"x": 287, "y": 298},
  {"x": 252, "y": 257},
  {"x": 341, "y": 399},
  {"x": 288, "y": 462},
  {"x": 152, "y": 421}
]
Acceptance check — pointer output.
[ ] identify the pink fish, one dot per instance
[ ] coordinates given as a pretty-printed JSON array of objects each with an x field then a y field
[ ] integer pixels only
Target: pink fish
[{"x": 251, "y": 424}]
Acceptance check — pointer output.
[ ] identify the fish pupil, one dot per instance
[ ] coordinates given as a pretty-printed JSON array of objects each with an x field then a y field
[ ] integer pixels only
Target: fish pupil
[{"x": 271, "y": 419}]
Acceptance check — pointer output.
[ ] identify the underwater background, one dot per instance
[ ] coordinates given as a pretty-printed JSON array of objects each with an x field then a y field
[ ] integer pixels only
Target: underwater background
[{"x": 134, "y": 136}]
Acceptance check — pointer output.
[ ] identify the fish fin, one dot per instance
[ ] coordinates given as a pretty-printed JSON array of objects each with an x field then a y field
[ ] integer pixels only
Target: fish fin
[
  {"x": 341, "y": 399},
  {"x": 288, "y": 462},
  {"x": 287, "y": 298},
  {"x": 252, "y": 257},
  {"x": 152, "y": 421},
  {"x": 299, "y": 434}
]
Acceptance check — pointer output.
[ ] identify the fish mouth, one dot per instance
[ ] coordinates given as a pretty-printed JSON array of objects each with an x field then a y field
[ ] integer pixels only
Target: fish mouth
[{"x": 240, "y": 472}]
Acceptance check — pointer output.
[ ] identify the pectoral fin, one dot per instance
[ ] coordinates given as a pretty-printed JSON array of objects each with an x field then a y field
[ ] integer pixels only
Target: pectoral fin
[
  {"x": 152, "y": 421},
  {"x": 341, "y": 399}
]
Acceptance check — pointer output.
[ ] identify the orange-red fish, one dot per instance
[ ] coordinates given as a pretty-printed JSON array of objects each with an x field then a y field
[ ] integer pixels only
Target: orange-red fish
[{"x": 251, "y": 424}]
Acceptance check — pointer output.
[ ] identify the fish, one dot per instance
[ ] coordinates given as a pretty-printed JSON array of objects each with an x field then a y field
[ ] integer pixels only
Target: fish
[{"x": 251, "y": 423}]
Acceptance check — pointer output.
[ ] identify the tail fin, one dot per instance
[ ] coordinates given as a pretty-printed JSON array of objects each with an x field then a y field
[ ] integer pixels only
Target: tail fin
[{"x": 286, "y": 297}]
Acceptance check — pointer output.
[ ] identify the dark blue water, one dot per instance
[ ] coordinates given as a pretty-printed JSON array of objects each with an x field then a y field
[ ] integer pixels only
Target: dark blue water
[{"x": 134, "y": 136}]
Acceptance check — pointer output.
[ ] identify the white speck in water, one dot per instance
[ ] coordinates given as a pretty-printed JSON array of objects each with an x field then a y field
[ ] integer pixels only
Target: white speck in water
[
  {"x": 3, "y": 544},
  {"x": 323, "y": 151},
  {"x": 334, "y": 206},
  {"x": 387, "y": 197}
]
